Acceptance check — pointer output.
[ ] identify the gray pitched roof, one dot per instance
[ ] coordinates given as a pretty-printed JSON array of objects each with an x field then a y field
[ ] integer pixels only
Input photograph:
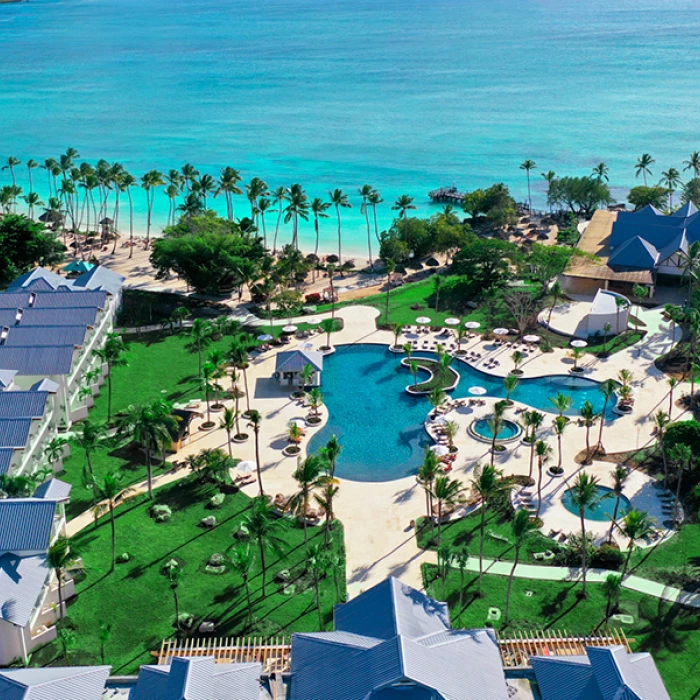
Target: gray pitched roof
[
  {"x": 54, "y": 683},
  {"x": 198, "y": 679},
  {"x": 392, "y": 608},
  {"x": 5, "y": 459},
  {"x": 14, "y": 432},
  {"x": 14, "y": 300},
  {"x": 76, "y": 298},
  {"x": 7, "y": 377},
  {"x": 100, "y": 278},
  {"x": 64, "y": 316},
  {"x": 53, "y": 490},
  {"x": 47, "y": 385},
  {"x": 295, "y": 360},
  {"x": 38, "y": 273},
  {"x": 606, "y": 673},
  {"x": 25, "y": 524},
  {"x": 38, "y": 336},
  {"x": 23, "y": 404},
  {"x": 21, "y": 581},
  {"x": 38, "y": 361}
]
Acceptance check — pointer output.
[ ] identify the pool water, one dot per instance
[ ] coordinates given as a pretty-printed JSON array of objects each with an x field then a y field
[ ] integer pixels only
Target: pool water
[
  {"x": 507, "y": 431},
  {"x": 380, "y": 426},
  {"x": 606, "y": 508}
]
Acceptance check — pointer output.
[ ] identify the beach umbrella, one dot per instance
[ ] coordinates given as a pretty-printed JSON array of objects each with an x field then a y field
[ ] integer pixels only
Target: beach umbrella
[
  {"x": 440, "y": 450},
  {"x": 423, "y": 320},
  {"x": 440, "y": 420},
  {"x": 289, "y": 329},
  {"x": 264, "y": 338},
  {"x": 247, "y": 466},
  {"x": 579, "y": 344},
  {"x": 451, "y": 321},
  {"x": 477, "y": 390},
  {"x": 472, "y": 325},
  {"x": 306, "y": 346},
  {"x": 79, "y": 266},
  {"x": 314, "y": 320},
  {"x": 532, "y": 338},
  {"x": 299, "y": 422},
  {"x": 500, "y": 331}
]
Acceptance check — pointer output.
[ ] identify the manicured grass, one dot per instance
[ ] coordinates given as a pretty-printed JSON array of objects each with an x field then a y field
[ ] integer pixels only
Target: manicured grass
[
  {"x": 442, "y": 378},
  {"x": 136, "y": 598},
  {"x": 670, "y": 633},
  {"x": 683, "y": 549}
]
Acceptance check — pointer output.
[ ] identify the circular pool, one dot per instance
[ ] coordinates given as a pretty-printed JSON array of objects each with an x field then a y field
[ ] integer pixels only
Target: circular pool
[
  {"x": 481, "y": 430},
  {"x": 605, "y": 509}
]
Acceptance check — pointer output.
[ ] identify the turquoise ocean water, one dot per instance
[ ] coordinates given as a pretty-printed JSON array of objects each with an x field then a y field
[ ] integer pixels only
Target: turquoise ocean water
[{"x": 404, "y": 95}]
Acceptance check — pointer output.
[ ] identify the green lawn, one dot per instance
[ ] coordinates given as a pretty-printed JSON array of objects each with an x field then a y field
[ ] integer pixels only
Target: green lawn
[
  {"x": 681, "y": 550},
  {"x": 137, "y": 600},
  {"x": 442, "y": 378},
  {"x": 671, "y": 633}
]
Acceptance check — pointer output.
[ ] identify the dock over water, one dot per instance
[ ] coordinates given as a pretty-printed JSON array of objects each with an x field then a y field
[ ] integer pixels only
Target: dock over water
[{"x": 447, "y": 194}]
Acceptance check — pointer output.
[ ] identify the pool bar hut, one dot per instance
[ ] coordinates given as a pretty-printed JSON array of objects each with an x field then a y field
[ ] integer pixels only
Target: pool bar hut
[{"x": 290, "y": 364}]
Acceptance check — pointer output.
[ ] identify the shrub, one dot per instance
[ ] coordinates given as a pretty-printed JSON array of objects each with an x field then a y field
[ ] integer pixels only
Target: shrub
[
  {"x": 184, "y": 621},
  {"x": 217, "y": 500},
  {"x": 314, "y": 298},
  {"x": 170, "y": 564},
  {"x": 161, "y": 513},
  {"x": 685, "y": 432},
  {"x": 607, "y": 557},
  {"x": 216, "y": 559}
]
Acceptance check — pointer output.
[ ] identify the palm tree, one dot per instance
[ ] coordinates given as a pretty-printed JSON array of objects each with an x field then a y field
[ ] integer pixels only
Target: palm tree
[
  {"x": 365, "y": 191},
  {"x": 495, "y": 423},
  {"x": 315, "y": 398},
  {"x": 266, "y": 531},
  {"x": 437, "y": 285},
  {"x": 150, "y": 181},
  {"x": 10, "y": 165},
  {"x": 510, "y": 383},
  {"x": 527, "y": 166},
  {"x": 228, "y": 184},
  {"x": 672, "y": 384},
  {"x": 544, "y": 453},
  {"x": 450, "y": 430},
  {"x": 298, "y": 208},
  {"x": 61, "y": 556},
  {"x": 636, "y": 525},
  {"x": 151, "y": 426},
  {"x": 111, "y": 493},
  {"x": 104, "y": 636},
  {"x": 189, "y": 175},
  {"x": 318, "y": 566},
  {"x": 325, "y": 499},
  {"x": 327, "y": 326},
  {"x": 374, "y": 199},
  {"x": 607, "y": 327},
  {"x": 33, "y": 200},
  {"x": 201, "y": 336},
  {"x": 607, "y": 388},
  {"x": 127, "y": 181},
  {"x": 255, "y": 189},
  {"x": 89, "y": 435},
  {"x": 620, "y": 304},
  {"x": 280, "y": 196},
  {"x": 174, "y": 573},
  {"x": 427, "y": 473},
  {"x": 518, "y": 358},
  {"x": 585, "y": 496},
  {"x": 339, "y": 199},
  {"x": 639, "y": 292},
  {"x": 446, "y": 492},
  {"x": 403, "y": 204},
  {"x": 672, "y": 179},
  {"x": 390, "y": 269},
  {"x": 693, "y": 163},
  {"x": 242, "y": 564},
  {"x": 589, "y": 416},
  {"x": 619, "y": 476},
  {"x": 205, "y": 186},
  {"x": 53, "y": 450},
  {"x": 643, "y": 166},
  {"x": 437, "y": 398},
  {"x": 532, "y": 420},
  {"x": 254, "y": 422},
  {"x": 461, "y": 559},
  {"x": 600, "y": 172},
  {"x": 661, "y": 422},
  {"x": 560, "y": 423},
  {"x": 228, "y": 423},
  {"x": 561, "y": 402},
  {"x": 309, "y": 476},
  {"x": 112, "y": 354},
  {"x": 332, "y": 451},
  {"x": 318, "y": 209},
  {"x": 611, "y": 588},
  {"x": 522, "y": 527},
  {"x": 682, "y": 456},
  {"x": 487, "y": 482},
  {"x": 555, "y": 293}
]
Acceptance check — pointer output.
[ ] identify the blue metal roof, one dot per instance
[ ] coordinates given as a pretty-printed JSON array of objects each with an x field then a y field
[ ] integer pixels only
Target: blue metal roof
[
  {"x": 14, "y": 432},
  {"x": 38, "y": 361},
  {"x": 634, "y": 253},
  {"x": 54, "y": 683},
  {"x": 21, "y": 581},
  {"x": 25, "y": 524},
  {"x": 5, "y": 460},
  {"x": 76, "y": 298},
  {"x": 53, "y": 490},
  {"x": 38, "y": 273},
  {"x": 22, "y": 404},
  {"x": 100, "y": 278},
  {"x": 46, "y": 335},
  {"x": 14, "y": 300}
]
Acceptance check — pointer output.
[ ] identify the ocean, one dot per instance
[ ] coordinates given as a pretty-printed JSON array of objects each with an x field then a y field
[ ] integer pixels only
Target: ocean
[{"x": 404, "y": 95}]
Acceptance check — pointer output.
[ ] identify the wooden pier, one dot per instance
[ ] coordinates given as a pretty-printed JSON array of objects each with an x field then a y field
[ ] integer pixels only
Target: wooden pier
[{"x": 449, "y": 195}]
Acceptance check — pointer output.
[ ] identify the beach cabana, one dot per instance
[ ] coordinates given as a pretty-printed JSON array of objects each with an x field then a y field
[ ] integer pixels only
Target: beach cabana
[
  {"x": 78, "y": 267},
  {"x": 290, "y": 364}
]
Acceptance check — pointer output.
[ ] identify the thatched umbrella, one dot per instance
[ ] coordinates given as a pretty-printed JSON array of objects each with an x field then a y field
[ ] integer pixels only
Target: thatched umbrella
[
  {"x": 432, "y": 262},
  {"x": 332, "y": 259}
]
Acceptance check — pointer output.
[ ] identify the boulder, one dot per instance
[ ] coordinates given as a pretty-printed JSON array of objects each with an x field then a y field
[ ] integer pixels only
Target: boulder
[
  {"x": 206, "y": 627},
  {"x": 209, "y": 521}
]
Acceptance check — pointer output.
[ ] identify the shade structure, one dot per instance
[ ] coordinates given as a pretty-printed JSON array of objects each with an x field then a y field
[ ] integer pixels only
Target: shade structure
[
  {"x": 579, "y": 344},
  {"x": 264, "y": 338},
  {"x": 314, "y": 320},
  {"x": 299, "y": 422},
  {"x": 477, "y": 390},
  {"x": 500, "y": 331},
  {"x": 79, "y": 266},
  {"x": 440, "y": 450},
  {"x": 472, "y": 325},
  {"x": 423, "y": 320},
  {"x": 451, "y": 321},
  {"x": 247, "y": 466},
  {"x": 289, "y": 329},
  {"x": 532, "y": 338},
  {"x": 440, "y": 420}
]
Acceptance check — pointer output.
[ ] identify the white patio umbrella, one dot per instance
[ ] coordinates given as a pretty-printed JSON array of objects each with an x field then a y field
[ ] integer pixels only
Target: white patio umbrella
[
  {"x": 440, "y": 450},
  {"x": 289, "y": 329},
  {"x": 472, "y": 325},
  {"x": 477, "y": 390},
  {"x": 532, "y": 338},
  {"x": 440, "y": 420},
  {"x": 579, "y": 344},
  {"x": 451, "y": 321},
  {"x": 314, "y": 320},
  {"x": 247, "y": 466},
  {"x": 423, "y": 320},
  {"x": 500, "y": 331},
  {"x": 264, "y": 338},
  {"x": 299, "y": 422}
]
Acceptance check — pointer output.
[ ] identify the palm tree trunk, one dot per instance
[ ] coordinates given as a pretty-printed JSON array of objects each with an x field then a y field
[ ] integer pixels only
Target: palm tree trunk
[
  {"x": 149, "y": 470},
  {"x": 614, "y": 517},
  {"x": 263, "y": 567},
  {"x": 317, "y": 585},
  {"x": 625, "y": 568},
  {"x": 461, "y": 587},
  {"x": 588, "y": 443},
  {"x": 59, "y": 577},
  {"x": 109, "y": 394},
  {"x": 248, "y": 600},
  {"x": 131, "y": 224},
  {"x": 340, "y": 258},
  {"x": 602, "y": 423},
  {"x": 584, "y": 551},
  {"x": 510, "y": 583},
  {"x": 532, "y": 454},
  {"x": 114, "y": 535},
  {"x": 228, "y": 441},
  {"x": 257, "y": 459},
  {"x": 245, "y": 384},
  {"x": 481, "y": 544},
  {"x": 439, "y": 523},
  {"x": 539, "y": 487}
]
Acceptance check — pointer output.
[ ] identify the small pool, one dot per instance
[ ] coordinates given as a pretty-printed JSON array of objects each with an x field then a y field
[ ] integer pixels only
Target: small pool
[
  {"x": 606, "y": 508},
  {"x": 509, "y": 430}
]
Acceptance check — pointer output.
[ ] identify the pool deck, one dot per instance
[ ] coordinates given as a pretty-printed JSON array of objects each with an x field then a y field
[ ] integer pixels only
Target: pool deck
[{"x": 377, "y": 516}]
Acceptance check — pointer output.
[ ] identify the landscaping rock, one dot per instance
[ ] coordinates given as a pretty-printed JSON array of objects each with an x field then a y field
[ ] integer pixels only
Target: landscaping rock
[
  {"x": 283, "y": 576},
  {"x": 216, "y": 559},
  {"x": 215, "y": 570},
  {"x": 123, "y": 558},
  {"x": 289, "y": 589},
  {"x": 170, "y": 564},
  {"x": 217, "y": 500},
  {"x": 161, "y": 513},
  {"x": 206, "y": 627},
  {"x": 209, "y": 521},
  {"x": 242, "y": 533}
]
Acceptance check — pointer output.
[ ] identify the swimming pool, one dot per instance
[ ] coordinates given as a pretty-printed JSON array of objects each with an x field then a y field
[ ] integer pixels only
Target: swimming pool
[
  {"x": 606, "y": 508},
  {"x": 508, "y": 430},
  {"x": 380, "y": 426}
]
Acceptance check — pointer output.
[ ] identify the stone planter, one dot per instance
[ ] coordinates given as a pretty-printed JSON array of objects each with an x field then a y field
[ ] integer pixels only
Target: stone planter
[
  {"x": 326, "y": 350},
  {"x": 291, "y": 451},
  {"x": 577, "y": 371},
  {"x": 555, "y": 475},
  {"x": 624, "y": 410},
  {"x": 242, "y": 437},
  {"x": 208, "y": 425},
  {"x": 517, "y": 372}
]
